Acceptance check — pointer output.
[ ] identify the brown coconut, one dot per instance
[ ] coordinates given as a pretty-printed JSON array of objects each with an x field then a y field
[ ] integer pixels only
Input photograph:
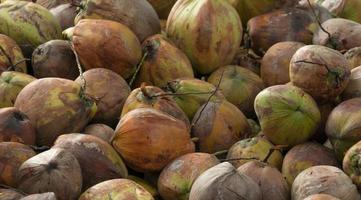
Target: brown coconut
[
  {"x": 15, "y": 126},
  {"x": 101, "y": 131},
  {"x": 218, "y": 125},
  {"x": 12, "y": 155},
  {"x": 107, "y": 44},
  {"x": 55, "y": 170},
  {"x": 8, "y": 194},
  {"x": 109, "y": 91},
  {"x": 320, "y": 71},
  {"x": 65, "y": 14},
  {"x": 353, "y": 88},
  {"x": 353, "y": 56},
  {"x": 11, "y": 56},
  {"x": 275, "y": 63},
  {"x": 42, "y": 196},
  {"x": 55, "y": 59},
  {"x": 164, "y": 62},
  {"x": 149, "y": 139},
  {"x": 304, "y": 156},
  {"x": 97, "y": 159},
  {"x": 271, "y": 182}
]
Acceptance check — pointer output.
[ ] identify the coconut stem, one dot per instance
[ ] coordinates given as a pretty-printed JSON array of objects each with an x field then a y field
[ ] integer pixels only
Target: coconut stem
[
  {"x": 131, "y": 82},
  {"x": 144, "y": 90}
]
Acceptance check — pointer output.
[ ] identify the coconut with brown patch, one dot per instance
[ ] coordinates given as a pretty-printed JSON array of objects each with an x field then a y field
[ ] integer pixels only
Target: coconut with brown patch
[
  {"x": 101, "y": 131},
  {"x": 164, "y": 62},
  {"x": 177, "y": 178},
  {"x": 55, "y": 170},
  {"x": 65, "y": 14},
  {"x": 11, "y": 56},
  {"x": 97, "y": 159},
  {"x": 106, "y": 44},
  {"x": 11, "y": 83},
  {"x": 149, "y": 139},
  {"x": 139, "y": 15},
  {"x": 55, "y": 106},
  {"x": 109, "y": 90},
  {"x": 55, "y": 59}
]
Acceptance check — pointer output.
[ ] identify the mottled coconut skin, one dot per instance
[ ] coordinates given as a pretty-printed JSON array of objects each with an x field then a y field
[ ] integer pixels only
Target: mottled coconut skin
[
  {"x": 10, "y": 50},
  {"x": 321, "y": 197},
  {"x": 353, "y": 56},
  {"x": 65, "y": 13},
  {"x": 7, "y": 194},
  {"x": 351, "y": 164},
  {"x": 101, "y": 131},
  {"x": 42, "y": 196}
]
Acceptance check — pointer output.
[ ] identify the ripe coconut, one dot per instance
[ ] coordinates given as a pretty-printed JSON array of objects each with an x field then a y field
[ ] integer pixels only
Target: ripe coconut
[
  {"x": 218, "y": 125},
  {"x": 164, "y": 62},
  {"x": 304, "y": 156},
  {"x": 320, "y": 71},
  {"x": 247, "y": 59},
  {"x": 11, "y": 56},
  {"x": 119, "y": 189},
  {"x": 162, "y": 7},
  {"x": 107, "y": 44},
  {"x": 351, "y": 164},
  {"x": 12, "y": 155},
  {"x": 110, "y": 92},
  {"x": 288, "y": 115},
  {"x": 54, "y": 59},
  {"x": 55, "y": 170},
  {"x": 101, "y": 131},
  {"x": 55, "y": 106},
  {"x": 257, "y": 148},
  {"x": 154, "y": 97},
  {"x": 353, "y": 56},
  {"x": 15, "y": 126},
  {"x": 149, "y": 139},
  {"x": 138, "y": 15},
  {"x": 97, "y": 159},
  {"x": 271, "y": 182},
  {"x": 209, "y": 32},
  {"x": 65, "y": 14},
  {"x": 8, "y": 194},
  {"x": 326, "y": 180},
  {"x": 275, "y": 63},
  {"x": 177, "y": 178},
  {"x": 321, "y": 197},
  {"x": 28, "y": 23},
  {"x": 151, "y": 188},
  {"x": 223, "y": 181},
  {"x": 342, "y": 34},
  {"x": 353, "y": 88},
  {"x": 11, "y": 83},
  {"x": 350, "y": 10},
  {"x": 240, "y": 86},
  {"x": 191, "y": 94},
  {"x": 42, "y": 196},
  {"x": 343, "y": 126}
]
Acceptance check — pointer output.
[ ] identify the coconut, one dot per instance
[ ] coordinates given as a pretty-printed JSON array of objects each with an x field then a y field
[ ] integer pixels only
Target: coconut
[
  {"x": 343, "y": 126},
  {"x": 8, "y": 194},
  {"x": 107, "y": 44},
  {"x": 191, "y": 94},
  {"x": 29, "y": 24},
  {"x": 148, "y": 139},
  {"x": 154, "y": 97},
  {"x": 326, "y": 180},
  {"x": 68, "y": 33},
  {"x": 11, "y": 56},
  {"x": 320, "y": 71},
  {"x": 224, "y": 182},
  {"x": 350, "y": 10},
  {"x": 151, "y": 188},
  {"x": 353, "y": 88},
  {"x": 325, "y": 110},
  {"x": 275, "y": 63},
  {"x": 218, "y": 125},
  {"x": 288, "y": 115},
  {"x": 164, "y": 62},
  {"x": 11, "y": 83},
  {"x": 65, "y": 14},
  {"x": 321, "y": 197},
  {"x": 247, "y": 59},
  {"x": 12, "y": 155},
  {"x": 97, "y": 159},
  {"x": 101, "y": 131},
  {"x": 55, "y": 106},
  {"x": 55, "y": 170},
  {"x": 55, "y": 59},
  {"x": 138, "y": 15},
  {"x": 333, "y": 6},
  {"x": 162, "y": 7},
  {"x": 109, "y": 91},
  {"x": 240, "y": 86},
  {"x": 351, "y": 164},
  {"x": 256, "y": 148},
  {"x": 15, "y": 126},
  {"x": 342, "y": 34},
  {"x": 119, "y": 189},
  {"x": 209, "y": 32},
  {"x": 177, "y": 178},
  {"x": 304, "y": 156},
  {"x": 271, "y": 182},
  {"x": 49, "y": 4},
  {"x": 42, "y": 196},
  {"x": 353, "y": 56}
]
